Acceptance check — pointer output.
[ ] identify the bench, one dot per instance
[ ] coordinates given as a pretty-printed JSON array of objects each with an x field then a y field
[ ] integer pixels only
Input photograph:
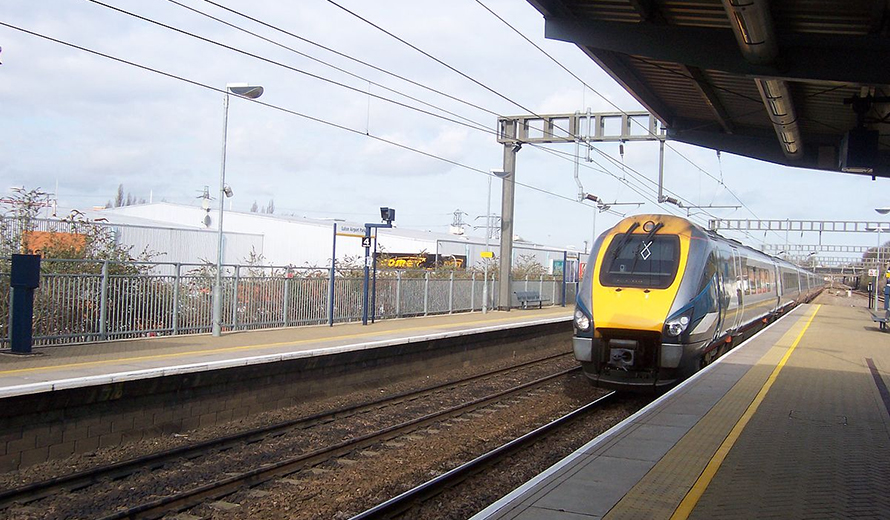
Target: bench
[
  {"x": 527, "y": 298},
  {"x": 881, "y": 319}
]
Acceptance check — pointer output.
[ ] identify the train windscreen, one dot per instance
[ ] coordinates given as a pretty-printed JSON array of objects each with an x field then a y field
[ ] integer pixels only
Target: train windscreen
[{"x": 641, "y": 261}]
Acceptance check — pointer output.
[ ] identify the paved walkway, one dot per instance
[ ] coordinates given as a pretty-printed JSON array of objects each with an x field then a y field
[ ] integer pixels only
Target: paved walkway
[
  {"x": 94, "y": 363},
  {"x": 793, "y": 424}
]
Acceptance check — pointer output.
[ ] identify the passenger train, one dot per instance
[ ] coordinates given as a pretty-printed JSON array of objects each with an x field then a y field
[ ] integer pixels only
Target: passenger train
[{"x": 662, "y": 297}]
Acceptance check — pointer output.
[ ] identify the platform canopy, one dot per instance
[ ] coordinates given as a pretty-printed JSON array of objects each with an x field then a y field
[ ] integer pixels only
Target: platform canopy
[{"x": 796, "y": 82}]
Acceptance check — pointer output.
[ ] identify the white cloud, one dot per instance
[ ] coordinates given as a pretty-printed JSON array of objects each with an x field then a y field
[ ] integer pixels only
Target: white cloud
[{"x": 91, "y": 123}]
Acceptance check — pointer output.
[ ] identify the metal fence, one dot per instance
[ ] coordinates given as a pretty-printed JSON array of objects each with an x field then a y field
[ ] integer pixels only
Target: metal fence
[{"x": 82, "y": 301}]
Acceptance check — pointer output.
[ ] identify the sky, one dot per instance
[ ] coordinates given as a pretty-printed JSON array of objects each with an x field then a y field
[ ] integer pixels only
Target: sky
[{"x": 325, "y": 142}]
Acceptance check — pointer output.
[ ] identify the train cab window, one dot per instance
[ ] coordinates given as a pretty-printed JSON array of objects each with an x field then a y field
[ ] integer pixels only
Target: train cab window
[{"x": 637, "y": 262}]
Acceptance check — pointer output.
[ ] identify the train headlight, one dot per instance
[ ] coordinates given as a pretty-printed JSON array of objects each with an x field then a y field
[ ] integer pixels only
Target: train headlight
[
  {"x": 676, "y": 326},
  {"x": 582, "y": 321}
]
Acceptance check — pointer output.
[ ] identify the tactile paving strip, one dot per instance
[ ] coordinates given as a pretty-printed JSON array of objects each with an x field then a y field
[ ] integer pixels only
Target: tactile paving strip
[
  {"x": 819, "y": 445},
  {"x": 660, "y": 491}
]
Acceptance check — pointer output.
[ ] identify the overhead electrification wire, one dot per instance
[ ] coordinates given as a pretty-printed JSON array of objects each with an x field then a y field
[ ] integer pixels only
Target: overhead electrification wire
[
  {"x": 651, "y": 197},
  {"x": 252, "y": 55},
  {"x": 607, "y": 100},
  {"x": 430, "y": 56},
  {"x": 410, "y": 45},
  {"x": 426, "y": 54},
  {"x": 652, "y": 193},
  {"x": 277, "y": 108},
  {"x": 595, "y": 91},
  {"x": 288, "y": 67},
  {"x": 462, "y": 74},
  {"x": 325, "y": 63},
  {"x": 348, "y": 57}
]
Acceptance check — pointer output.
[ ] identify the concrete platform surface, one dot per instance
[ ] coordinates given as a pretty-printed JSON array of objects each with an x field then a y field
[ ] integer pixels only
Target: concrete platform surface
[
  {"x": 54, "y": 368},
  {"x": 792, "y": 424}
]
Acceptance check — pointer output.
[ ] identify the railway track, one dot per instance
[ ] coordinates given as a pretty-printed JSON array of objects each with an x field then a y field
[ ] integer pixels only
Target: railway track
[
  {"x": 220, "y": 488},
  {"x": 401, "y": 505},
  {"x": 84, "y": 479}
]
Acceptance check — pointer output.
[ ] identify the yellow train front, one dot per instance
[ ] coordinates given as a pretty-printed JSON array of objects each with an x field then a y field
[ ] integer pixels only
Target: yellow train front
[{"x": 663, "y": 297}]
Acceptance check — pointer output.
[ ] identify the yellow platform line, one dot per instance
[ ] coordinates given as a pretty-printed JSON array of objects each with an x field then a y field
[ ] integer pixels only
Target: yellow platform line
[
  {"x": 155, "y": 357},
  {"x": 704, "y": 480}
]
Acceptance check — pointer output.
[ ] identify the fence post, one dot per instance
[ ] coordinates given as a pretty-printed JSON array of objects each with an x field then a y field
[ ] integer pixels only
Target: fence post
[
  {"x": 473, "y": 292},
  {"x": 332, "y": 275},
  {"x": 541, "y": 287},
  {"x": 426, "y": 292},
  {"x": 286, "y": 298},
  {"x": 103, "y": 302},
  {"x": 398, "y": 294},
  {"x": 176, "y": 282},
  {"x": 235, "y": 297},
  {"x": 525, "y": 286},
  {"x": 451, "y": 293}
]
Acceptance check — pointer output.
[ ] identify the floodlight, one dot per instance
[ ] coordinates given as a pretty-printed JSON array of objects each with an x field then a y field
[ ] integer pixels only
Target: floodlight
[{"x": 244, "y": 90}]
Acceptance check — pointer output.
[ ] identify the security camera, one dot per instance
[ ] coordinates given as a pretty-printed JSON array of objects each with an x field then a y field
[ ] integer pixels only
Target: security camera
[
  {"x": 387, "y": 214},
  {"x": 228, "y": 191}
]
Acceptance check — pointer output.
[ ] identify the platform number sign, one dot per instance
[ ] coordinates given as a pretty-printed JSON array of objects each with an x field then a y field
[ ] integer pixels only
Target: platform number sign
[{"x": 366, "y": 242}]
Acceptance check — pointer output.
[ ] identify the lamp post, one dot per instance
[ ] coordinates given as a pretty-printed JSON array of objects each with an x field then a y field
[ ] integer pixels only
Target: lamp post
[
  {"x": 881, "y": 211},
  {"x": 880, "y": 267},
  {"x": 387, "y": 215},
  {"x": 250, "y": 92}
]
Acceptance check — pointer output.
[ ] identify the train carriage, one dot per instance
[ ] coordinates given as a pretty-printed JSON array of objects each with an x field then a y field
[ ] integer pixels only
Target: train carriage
[{"x": 663, "y": 297}]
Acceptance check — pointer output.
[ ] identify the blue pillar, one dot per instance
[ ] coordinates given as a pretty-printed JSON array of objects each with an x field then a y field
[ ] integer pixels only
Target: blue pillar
[{"x": 24, "y": 278}]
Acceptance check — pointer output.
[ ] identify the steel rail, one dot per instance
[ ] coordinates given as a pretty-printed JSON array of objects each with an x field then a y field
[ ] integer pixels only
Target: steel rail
[
  {"x": 401, "y": 503},
  {"x": 214, "y": 490},
  {"x": 82, "y": 479}
]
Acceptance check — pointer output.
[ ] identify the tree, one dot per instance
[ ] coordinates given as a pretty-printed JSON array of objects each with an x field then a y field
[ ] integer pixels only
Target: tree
[
  {"x": 271, "y": 207},
  {"x": 75, "y": 237},
  {"x": 528, "y": 266},
  {"x": 254, "y": 208},
  {"x": 119, "y": 198},
  {"x": 20, "y": 214}
]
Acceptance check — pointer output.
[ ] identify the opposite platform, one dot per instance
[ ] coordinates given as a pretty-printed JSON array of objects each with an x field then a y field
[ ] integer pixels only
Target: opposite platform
[
  {"x": 792, "y": 424},
  {"x": 61, "y": 367}
]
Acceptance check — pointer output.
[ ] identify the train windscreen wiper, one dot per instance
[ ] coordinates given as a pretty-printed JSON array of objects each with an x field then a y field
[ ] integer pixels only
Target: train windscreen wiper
[
  {"x": 652, "y": 233},
  {"x": 625, "y": 238}
]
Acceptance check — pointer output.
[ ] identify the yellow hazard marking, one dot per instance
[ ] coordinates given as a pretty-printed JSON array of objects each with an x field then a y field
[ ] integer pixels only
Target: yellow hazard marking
[
  {"x": 704, "y": 480},
  {"x": 490, "y": 254},
  {"x": 243, "y": 347}
]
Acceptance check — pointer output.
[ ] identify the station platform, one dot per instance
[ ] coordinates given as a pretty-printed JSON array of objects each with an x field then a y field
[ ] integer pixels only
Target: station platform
[
  {"x": 65, "y": 367},
  {"x": 791, "y": 424}
]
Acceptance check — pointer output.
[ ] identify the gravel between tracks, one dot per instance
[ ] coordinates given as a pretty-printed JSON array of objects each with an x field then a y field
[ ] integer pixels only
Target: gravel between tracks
[
  {"x": 55, "y": 507},
  {"x": 345, "y": 488}
]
